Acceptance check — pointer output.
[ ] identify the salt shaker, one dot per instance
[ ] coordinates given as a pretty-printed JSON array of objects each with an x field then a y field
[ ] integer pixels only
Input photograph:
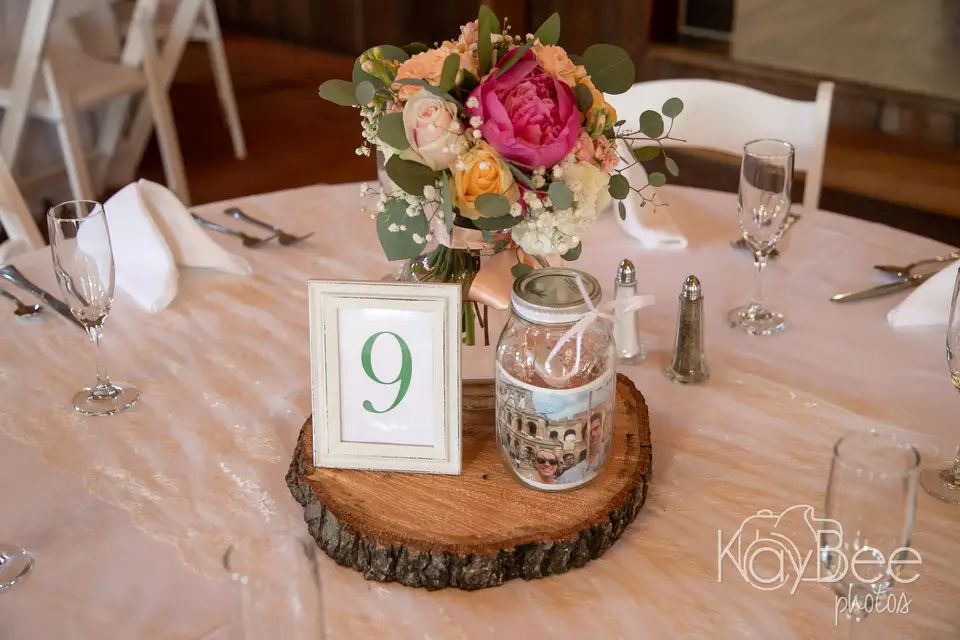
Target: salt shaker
[
  {"x": 629, "y": 348},
  {"x": 688, "y": 365}
]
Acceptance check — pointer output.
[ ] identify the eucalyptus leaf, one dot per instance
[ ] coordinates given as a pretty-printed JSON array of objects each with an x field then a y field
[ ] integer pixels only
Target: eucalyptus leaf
[
  {"x": 619, "y": 187},
  {"x": 584, "y": 97},
  {"x": 391, "y": 52},
  {"x": 487, "y": 236},
  {"x": 432, "y": 89},
  {"x": 414, "y": 48},
  {"x": 359, "y": 75},
  {"x": 575, "y": 59},
  {"x": 446, "y": 201},
  {"x": 399, "y": 244},
  {"x": 501, "y": 245},
  {"x": 645, "y": 154},
  {"x": 514, "y": 58},
  {"x": 651, "y": 124},
  {"x": 469, "y": 82},
  {"x": 340, "y": 92},
  {"x": 364, "y": 93},
  {"x": 672, "y": 107},
  {"x": 497, "y": 224},
  {"x": 622, "y": 210},
  {"x": 619, "y": 123},
  {"x": 560, "y": 195},
  {"x": 573, "y": 254},
  {"x": 521, "y": 177},
  {"x": 657, "y": 179},
  {"x": 392, "y": 132},
  {"x": 491, "y": 205},
  {"x": 610, "y": 68},
  {"x": 520, "y": 269},
  {"x": 672, "y": 167},
  {"x": 410, "y": 176},
  {"x": 549, "y": 31},
  {"x": 448, "y": 77},
  {"x": 487, "y": 24}
]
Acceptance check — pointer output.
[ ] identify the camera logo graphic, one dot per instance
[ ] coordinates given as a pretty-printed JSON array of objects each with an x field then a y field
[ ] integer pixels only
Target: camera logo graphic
[{"x": 772, "y": 550}]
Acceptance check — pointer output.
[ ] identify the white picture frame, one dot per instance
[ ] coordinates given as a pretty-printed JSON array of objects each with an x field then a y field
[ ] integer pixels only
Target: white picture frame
[{"x": 396, "y": 346}]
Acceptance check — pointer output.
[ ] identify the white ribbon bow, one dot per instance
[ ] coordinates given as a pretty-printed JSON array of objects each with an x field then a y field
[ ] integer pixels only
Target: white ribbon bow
[{"x": 610, "y": 312}]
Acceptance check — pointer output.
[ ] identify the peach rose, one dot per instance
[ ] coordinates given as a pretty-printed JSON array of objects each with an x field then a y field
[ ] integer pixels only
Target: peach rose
[
  {"x": 482, "y": 172},
  {"x": 554, "y": 61},
  {"x": 429, "y": 66},
  {"x": 600, "y": 115},
  {"x": 433, "y": 131},
  {"x": 596, "y": 151}
]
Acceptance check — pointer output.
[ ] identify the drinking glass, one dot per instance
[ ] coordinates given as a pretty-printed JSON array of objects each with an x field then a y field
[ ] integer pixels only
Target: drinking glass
[
  {"x": 277, "y": 582},
  {"x": 83, "y": 263},
  {"x": 870, "y": 506},
  {"x": 15, "y": 563},
  {"x": 766, "y": 180},
  {"x": 943, "y": 483}
]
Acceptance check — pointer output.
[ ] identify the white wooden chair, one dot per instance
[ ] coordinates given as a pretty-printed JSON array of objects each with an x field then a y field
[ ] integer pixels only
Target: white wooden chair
[
  {"x": 74, "y": 82},
  {"x": 15, "y": 217},
  {"x": 721, "y": 116},
  {"x": 180, "y": 21}
]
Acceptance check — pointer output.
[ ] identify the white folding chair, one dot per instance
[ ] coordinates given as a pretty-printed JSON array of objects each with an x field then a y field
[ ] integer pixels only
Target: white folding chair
[
  {"x": 721, "y": 116},
  {"x": 15, "y": 217},
  {"x": 177, "y": 22},
  {"x": 75, "y": 82}
]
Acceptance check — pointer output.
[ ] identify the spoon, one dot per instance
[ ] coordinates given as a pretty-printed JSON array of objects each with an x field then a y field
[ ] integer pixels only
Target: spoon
[
  {"x": 283, "y": 237},
  {"x": 248, "y": 241},
  {"x": 22, "y": 309},
  {"x": 903, "y": 272}
]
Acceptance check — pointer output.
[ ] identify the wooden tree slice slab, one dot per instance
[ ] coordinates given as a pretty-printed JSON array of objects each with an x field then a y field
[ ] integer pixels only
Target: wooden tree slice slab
[{"x": 483, "y": 527}]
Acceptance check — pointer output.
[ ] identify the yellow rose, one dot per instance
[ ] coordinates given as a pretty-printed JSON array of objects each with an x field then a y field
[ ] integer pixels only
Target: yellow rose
[
  {"x": 557, "y": 64},
  {"x": 483, "y": 172},
  {"x": 600, "y": 115}
]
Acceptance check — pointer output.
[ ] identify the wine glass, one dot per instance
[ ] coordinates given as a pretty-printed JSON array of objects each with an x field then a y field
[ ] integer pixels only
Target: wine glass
[
  {"x": 943, "y": 483},
  {"x": 763, "y": 204},
  {"x": 869, "y": 512},
  {"x": 83, "y": 262},
  {"x": 15, "y": 563},
  {"x": 277, "y": 582}
]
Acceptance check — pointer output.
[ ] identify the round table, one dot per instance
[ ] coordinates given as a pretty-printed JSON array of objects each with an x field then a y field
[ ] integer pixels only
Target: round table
[{"x": 128, "y": 515}]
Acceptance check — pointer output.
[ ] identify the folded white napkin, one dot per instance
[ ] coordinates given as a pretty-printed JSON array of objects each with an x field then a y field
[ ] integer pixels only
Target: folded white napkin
[
  {"x": 653, "y": 227},
  {"x": 151, "y": 232},
  {"x": 929, "y": 305},
  {"x": 10, "y": 249}
]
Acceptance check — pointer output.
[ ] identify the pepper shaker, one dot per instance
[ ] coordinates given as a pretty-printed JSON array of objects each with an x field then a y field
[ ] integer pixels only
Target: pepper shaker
[
  {"x": 688, "y": 365},
  {"x": 629, "y": 348}
]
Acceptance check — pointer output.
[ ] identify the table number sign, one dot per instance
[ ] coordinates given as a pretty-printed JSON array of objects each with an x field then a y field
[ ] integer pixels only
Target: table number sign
[{"x": 385, "y": 367}]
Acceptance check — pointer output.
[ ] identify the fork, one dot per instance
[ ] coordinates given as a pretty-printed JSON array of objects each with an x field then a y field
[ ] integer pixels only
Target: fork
[
  {"x": 283, "y": 237},
  {"x": 903, "y": 272},
  {"x": 248, "y": 241},
  {"x": 792, "y": 219}
]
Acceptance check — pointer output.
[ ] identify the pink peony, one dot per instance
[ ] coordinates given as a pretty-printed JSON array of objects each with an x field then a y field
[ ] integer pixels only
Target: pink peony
[{"x": 528, "y": 116}]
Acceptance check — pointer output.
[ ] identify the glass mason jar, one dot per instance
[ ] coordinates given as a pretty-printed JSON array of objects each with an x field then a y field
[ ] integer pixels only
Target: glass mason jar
[{"x": 555, "y": 404}]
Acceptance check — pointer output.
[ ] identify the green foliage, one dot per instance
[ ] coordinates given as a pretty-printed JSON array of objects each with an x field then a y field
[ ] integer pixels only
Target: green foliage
[
  {"x": 400, "y": 245},
  {"x": 392, "y": 132},
  {"x": 610, "y": 68},
  {"x": 560, "y": 195},
  {"x": 520, "y": 269},
  {"x": 364, "y": 92},
  {"x": 645, "y": 154},
  {"x": 657, "y": 179},
  {"x": 573, "y": 254},
  {"x": 672, "y": 167},
  {"x": 339, "y": 92},
  {"x": 549, "y": 31},
  {"x": 497, "y": 224},
  {"x": 520, "y": 176},
  {"x": 487, "y": 24},
  {"x": 672, "y": 107},
  {"x": 414, "y": 48},
  {"x": 651, "y": 124},
  {"x": 619, "y": 187},
  {"x": 584, "y": 97},
  {"x": 492, "y": 205},
  {"x": 446, "y": 201},
  {"x": 515, "y": 58},
  {"x": 410, "y": 176},
  {"x": 469, "y": 82},
  {"x": 501, "y": 245},
  {"x": 359, "y": 75},
  {"x": 575, "y": 59},
  {"x": 622, "y": 210},
  {"x": 391, "y": 52},
  {"x": 448, "y": 77}
]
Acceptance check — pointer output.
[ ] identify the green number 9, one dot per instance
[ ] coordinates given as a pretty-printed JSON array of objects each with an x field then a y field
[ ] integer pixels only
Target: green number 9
[{"x": 403, "y": 377}]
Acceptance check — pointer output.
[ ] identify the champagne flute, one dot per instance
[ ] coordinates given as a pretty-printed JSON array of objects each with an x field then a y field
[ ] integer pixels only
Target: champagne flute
[
  {"x": 870, "y": 506},
  {"x": 943, "y": 483},
  {"x": 83, "y": 262},
  {"x": 277, "y": 582},
  {"x": 763, "y": 204},
  {"x": 15, "y": 563}
]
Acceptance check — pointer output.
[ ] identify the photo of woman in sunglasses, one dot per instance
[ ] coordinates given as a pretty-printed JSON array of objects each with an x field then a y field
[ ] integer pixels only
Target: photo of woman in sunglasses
[{"x": 545, "y": 467}]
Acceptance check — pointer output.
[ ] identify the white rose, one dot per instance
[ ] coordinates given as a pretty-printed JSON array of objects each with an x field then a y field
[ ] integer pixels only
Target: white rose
[{"x": 433, "y": 130}]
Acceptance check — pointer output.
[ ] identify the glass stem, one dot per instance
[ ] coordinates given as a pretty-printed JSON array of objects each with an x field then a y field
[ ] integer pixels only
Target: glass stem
[
  {"x": 103, "y": 380},
  {"x": 760, "y": 261},
  {"x": 954, "y": 470}
]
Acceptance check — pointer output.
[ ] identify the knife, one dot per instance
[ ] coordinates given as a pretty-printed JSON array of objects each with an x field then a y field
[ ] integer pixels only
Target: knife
[
  {"x": 884, "y": 289},
  {"x": 12, "y": 274}
]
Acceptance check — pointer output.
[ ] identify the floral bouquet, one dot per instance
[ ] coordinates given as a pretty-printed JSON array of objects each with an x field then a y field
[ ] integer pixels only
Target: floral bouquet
[{"x": 498, "y": 146}]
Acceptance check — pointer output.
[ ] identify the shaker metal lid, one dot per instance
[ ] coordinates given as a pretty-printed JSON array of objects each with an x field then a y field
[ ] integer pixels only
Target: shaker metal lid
[{"x": 550, "y": 295}]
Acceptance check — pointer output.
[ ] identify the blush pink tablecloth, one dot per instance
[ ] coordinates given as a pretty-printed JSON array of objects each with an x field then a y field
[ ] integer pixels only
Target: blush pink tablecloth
[{"x": 128, "y": 515}]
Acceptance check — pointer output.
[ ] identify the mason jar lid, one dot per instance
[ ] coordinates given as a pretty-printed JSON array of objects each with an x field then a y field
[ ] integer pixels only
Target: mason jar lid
[{"x": 550, "y": 295}]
